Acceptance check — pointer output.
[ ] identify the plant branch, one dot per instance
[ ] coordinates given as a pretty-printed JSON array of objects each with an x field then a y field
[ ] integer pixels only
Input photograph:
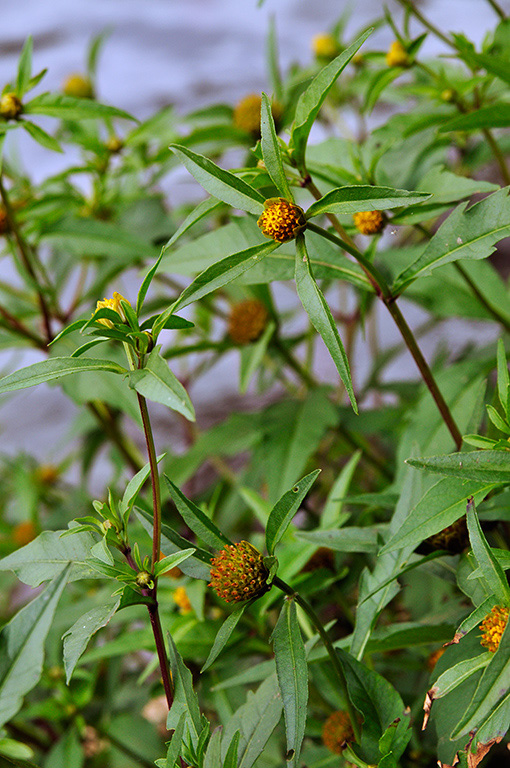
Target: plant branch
[
  {"x": 497, "y": 8},
  {"x": 427, "y": 24},
  {"x": 498, "y": 155}
]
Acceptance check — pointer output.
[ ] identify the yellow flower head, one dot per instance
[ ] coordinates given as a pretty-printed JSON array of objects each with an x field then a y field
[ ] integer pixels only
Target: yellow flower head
[
  {"x": 281, "y": 220},
  {"x": 325, "y": 46},
  {"x": 337, "y": 732},
  {"x": 180, "y": 597},
  {"x": 397, "y": 55},
  {"x": 10, "y": 106},
  {"x": 78, "y": 86},
  {"x": 247, "y": 113},
  {"x": 493, "y": 627},
  {"x": 238, "y": 573},
  {"x": 369, "y": 222},
  {"x": 114, "y": 304},
  {"x": 247, "y": 321}
]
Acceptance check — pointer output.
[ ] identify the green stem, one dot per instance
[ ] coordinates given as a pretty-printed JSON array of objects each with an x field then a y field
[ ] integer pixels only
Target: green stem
[
  {"x": 498, "y": 155},
  {"x": 307, "y": 608},
  {"x": 296, "y": 366},
  {"x": 427, "y": 24},
  {"x": 481, "y": 298},
  {"x": 500, "y": 12}
]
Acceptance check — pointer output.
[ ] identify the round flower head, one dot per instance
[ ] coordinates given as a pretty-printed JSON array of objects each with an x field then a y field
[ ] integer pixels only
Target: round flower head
[
  {"x": 114, "y": 304},
  {"x": 247, "y": 113},
  {"x": 397, "y": 55},
  {"x": 4, "y": 224},
  {"x": 369, "y": 222},
  {"x": 78, "y": 86},
  {"x": 238, "y": 573},
  {"x": 281, "y": 220},
  {"x": 493, "y": 627},
  {"x": 10, "y": 106},
  {"x": 181, "y": 598},
  {"x": 247, "y": 321},
  {"x": 337, "y": 732},
  {"x": 325, "y": 46}
]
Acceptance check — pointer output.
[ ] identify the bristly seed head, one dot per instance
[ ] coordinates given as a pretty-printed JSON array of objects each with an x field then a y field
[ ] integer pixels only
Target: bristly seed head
[
  {"x": 281, "y": 219},
  {"x": 238, "y": 573}
]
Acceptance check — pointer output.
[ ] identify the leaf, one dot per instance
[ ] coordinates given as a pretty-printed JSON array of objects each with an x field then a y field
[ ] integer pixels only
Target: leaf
[
  {"x": 15, "y": 750},
  {"x": 203, "y": 209},
  {"x": 230, "y": 759},
  {"x": 42, "y": 138},
  {"x": 197, "y": 520},
  {"x": 147, "y": 280},
  {"x": 348, "y": 539},
  {"x": 24, "y": 68},
  {"x": 252, "y": 355},
  {"x": 285, "y": 509},
  {"x": 185, "y": 698},
  {"x": 134, "y": 486},
  {"x": 481, "y": 466},
  {"x": 22, "y": 646},
  {"x": 156, "y": 382},
  {"x": 174, "y": 749},
  {"x": 467, "y": 233},
  {"x": 46, "y": 556},
  {"x": 77, "y": 637},
  {"x": 311, "y": 100},
  {"x": 98, "y": 239},
  {"x": 494, "y": 116},
  {"x": 271, "y": 152},
  {"x": 364, "y": 198},
  {"x": 333, "y": 507},
  {"x": 171, "y": 561},
  {"x": 320, "y": 316},
  {"x": 220, "y": 183},
  {"x": 503, "y": 379},
  {"x": 493, "y": 573},
  {"x": 54, "y": 368},
  {"x": 292, "y": 673},
  {"x": 212, "y": 757},
  {"x": 71, "y": 108},
  {"x": 456, "y": 675},
  {"x": 223, "y": 635}
]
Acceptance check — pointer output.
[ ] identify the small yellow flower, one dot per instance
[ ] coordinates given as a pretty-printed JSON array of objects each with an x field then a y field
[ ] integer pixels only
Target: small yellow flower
[
  {"x": 337, "y": 732},
  {"x": 78, "y": 86},
  {"x": 397, "y": 55},
  {"x": 10, "y": 106},
  {"x": 281, "y": 220},
  {"x": 238, "y": 573},
  {"x": 247, "y": 321},
  {"x": 181, "y": 598},
  {"x": 325, "y": 46},
  {"x": 493, "y": 627},
  {"x": 369, "y": 222},
  {"x": 114, "y": 304},
  {"x": 247, "y": 113}
]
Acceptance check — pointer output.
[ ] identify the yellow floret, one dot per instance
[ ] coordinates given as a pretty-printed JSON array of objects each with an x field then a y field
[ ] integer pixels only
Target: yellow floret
[
  {"x": 325, "y": 46},
  {"x": 369, "y": 222},
  {"x": 281, "y": 220},
  {"x": 397, "y": 55},
  {"x": 493, "y": 627}
]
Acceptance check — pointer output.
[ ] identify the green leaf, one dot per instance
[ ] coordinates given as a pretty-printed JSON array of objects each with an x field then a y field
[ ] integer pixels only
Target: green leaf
[
  {"x": 493, "y": 573},
  {"x": 54, "y": 368},
  {"x": 456, "y": 675},
  {"x": 22, "y": 646},
  {"x": 493, "y": 116},
  {"x": 364, "y": 198},
  {"x": 197, "y": 520},
  {"x": 220, "y": 183},
  {"x": 348, "y": 539},
  {"x": 503, "y": 379},
  {"x": 212, "y": 757},
  {"x": 334, "y": 502},
  {"x": 202, "y": 210},
  {"x": 77, "y": 637},
  {"x": 230, "y": 759},
  {"x": 285, "y": 509},
  {"x": 98, "y": 239},
  {"x": 223, "y": 635},
  {"x": 292, "y": 672},
  {"x": 171, "y": 561},
  {"x": 185, "y": 698},
  {"x": 311, "y": 100},
  {"x": 496, "y": 419},
  {"x": 70, "y": 108},
  {"x": 467, "y": 233},
  {"x": 271, "y": 151},
  {"x": 320, "y": 316},
  {"x": 481, "y": 466},
  {"x": 24, "y": 68},
  {"x": 157, "y": 382},
  {"x": 251, "y": 357},
  {"x": 16, "y": 750},
  {"x": 43, "y": 138},
  {"x": 147, "y": 280},
  {"x": 134, "y": 486},
  {"x": 174, "y": 749},
  {"x": 47, "y": 555}
]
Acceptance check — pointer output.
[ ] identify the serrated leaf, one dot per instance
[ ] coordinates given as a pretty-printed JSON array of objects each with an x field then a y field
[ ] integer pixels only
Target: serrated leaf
[
  {"x": 223, "y": 635},
  {"x": 492, "y": 571},
  {"x": 363, "y": 198},
  {"x": 22, "y": 646},
  {"x": 271, "y": 152},
  {"x": 292, "y": 673},
  {"x": 71, "y": 108},
  {"x": 220, "y": 183},
  {"x": 196, "y": 519},
  {"x": 54, "y": 368},
  {"x": 156, "y": 382},
  {"x": 285, "y": 509},
  {"x": 77, "y": 637},
  {"x": 480, "y": 466},
  {"x": 185, "y": 698},
  {"x": 320, "y": 316}
]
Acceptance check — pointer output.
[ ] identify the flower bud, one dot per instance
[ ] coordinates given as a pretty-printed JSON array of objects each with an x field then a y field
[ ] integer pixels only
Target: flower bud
[
  {"x": 78, "y": 86},
  {"x": 238, "y": 573},
  {"x": 397, "y": 55},
  {"x": 247, "y": 321},
  {"x": 281, "y": 219},
  {"x": 10, "y": 106},
  {"x": 325, "y": 46},
  {"x": 143, "y": 579}
]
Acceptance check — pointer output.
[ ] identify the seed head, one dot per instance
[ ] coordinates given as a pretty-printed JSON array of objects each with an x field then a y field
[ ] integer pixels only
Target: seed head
[
  {"x": 113, "y": 303},
  {"x": 10, "y": 106},
  {"x": 369, "y": 222},
  {"x": 281, "y": 220},
  {"x": 247, "y": 321},
  {"x": 493, "y": 627},
  {"x": 397, "y": 55},
  {"x": 180, "y": 597},
  {"x": 337, "y": 732},
  {"x": 247, "y": 113},
  {"x": 78, "y": 86},
  {"x": 238, "y": 573},
  {"x": 325, "y": 46}
]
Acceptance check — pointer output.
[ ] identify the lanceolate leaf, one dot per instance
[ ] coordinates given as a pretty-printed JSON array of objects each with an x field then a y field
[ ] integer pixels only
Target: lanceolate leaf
[
  {"x": 285, "y": 509},
  {"x": 493, "y": 116},
  {"x": 492, "y": 571},
  {"x": 157, "y": 382},
  {"x": 197, "y": 520},
  {"x": 223, "y": 635},
  {"x": 364, "y": 198},
  {"x": 482, "y": 466},
  {"x": 220, "y": 183},
  {"x": 77, "y": 637},
  {"x": 22, "y": 646},
  {"x": 320, "y": 316},
  {"x": 70, "y": 108},
  {"x": 311, "y": 100},
  {"x": 203, "y": 209},
  {"x": 271, "y": 150},
  {"x": 456, "y": 675},
  {"x": 55, "y": 368},
  {"x": 468, "y": 233},
  {"x": 292, "y": 672},
  {"x": 185, "y": 698},
  {"x": 24, "y": 68}
]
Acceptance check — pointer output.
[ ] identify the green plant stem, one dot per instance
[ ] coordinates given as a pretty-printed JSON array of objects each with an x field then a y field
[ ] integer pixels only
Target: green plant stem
[
  {"x": 481, "y": 298},
  {"x": 15, "y": 325},
  {"x": 427, "y": 24},
  {"x": 291, "y": 361},
  {"x": 498, "y": 154},
  {"x": 500, "y": 12},
  {"x": 307, "y": 608}
]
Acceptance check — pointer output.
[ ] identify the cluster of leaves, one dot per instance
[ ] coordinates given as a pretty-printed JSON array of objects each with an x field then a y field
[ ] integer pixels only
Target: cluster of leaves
[{"x": 372, "y": 563}]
